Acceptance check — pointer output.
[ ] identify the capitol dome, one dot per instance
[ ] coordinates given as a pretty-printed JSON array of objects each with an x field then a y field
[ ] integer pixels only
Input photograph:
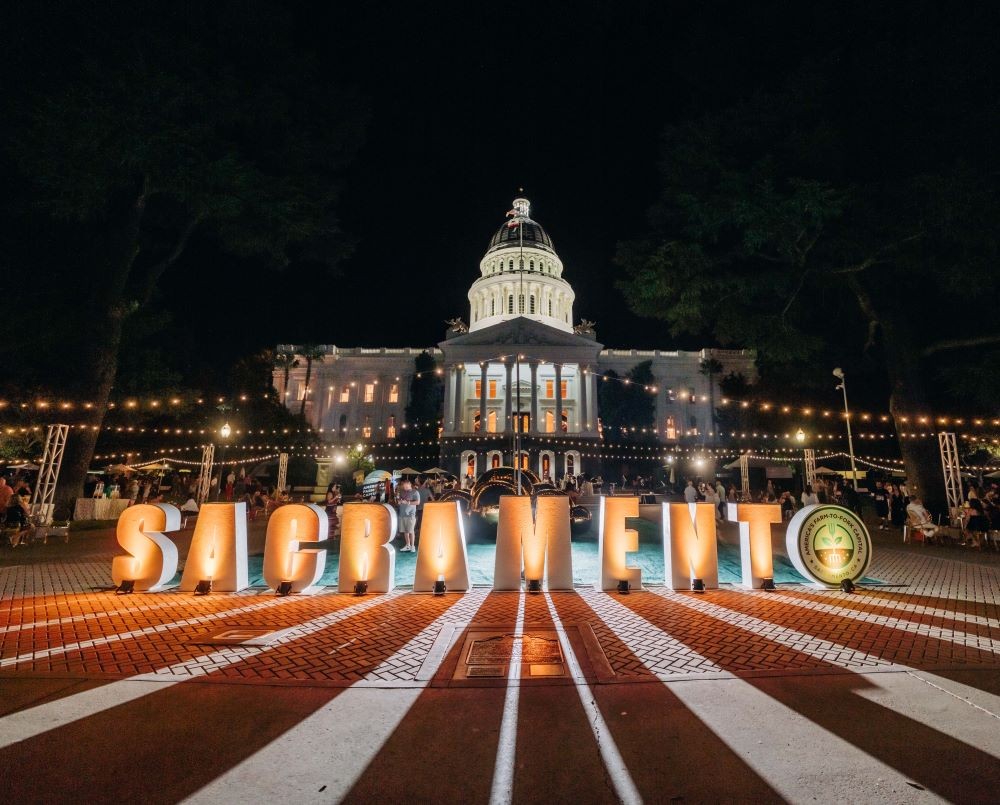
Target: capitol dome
[{"x": 521, "y": 275}]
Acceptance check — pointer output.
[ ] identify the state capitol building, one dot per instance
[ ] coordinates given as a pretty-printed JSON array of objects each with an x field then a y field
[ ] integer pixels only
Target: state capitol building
[{"x": 523, "y": 360}]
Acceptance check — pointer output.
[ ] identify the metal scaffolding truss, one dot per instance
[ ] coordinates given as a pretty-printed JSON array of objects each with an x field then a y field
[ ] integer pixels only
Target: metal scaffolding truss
[
  {"x": 810, "y": 462},
  {"x": 282, "y": 470},
  {"x": 951, "y": 470},
  {"x": 745, "y": 475},
  {"x": 205, "y": 476},
  {"x": 42, "y": 502}
]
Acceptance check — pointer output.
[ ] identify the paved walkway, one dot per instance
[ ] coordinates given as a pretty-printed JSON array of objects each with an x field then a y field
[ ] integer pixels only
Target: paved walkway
[{"x": 891, "y": 694}]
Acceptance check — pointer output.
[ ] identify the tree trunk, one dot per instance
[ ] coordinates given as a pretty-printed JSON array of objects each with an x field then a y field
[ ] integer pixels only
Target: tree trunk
[
  {"x": 99, "y": 355},
  {"x": 907, "y": 401}
]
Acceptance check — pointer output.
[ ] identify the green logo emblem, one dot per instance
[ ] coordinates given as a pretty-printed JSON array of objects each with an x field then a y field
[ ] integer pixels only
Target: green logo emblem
[{"x": 828, "y": 544}]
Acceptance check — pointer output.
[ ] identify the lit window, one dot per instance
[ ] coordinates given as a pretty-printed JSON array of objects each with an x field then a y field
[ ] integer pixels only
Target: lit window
[
  {"x": 671, "y": 428},
  {"x": 369, "y": 392},
  {"x": 345, "y": 394},
  {"x": 493, "y": 389},
  {"x": 366, "y": 431},
  {"x": 390, "y": 430},
  {"x": 491, "y": 422},
  {"x": 394, "y": 393},
  {"x": 564, "y": 389},
  {"x": 550, "y": 422},
  {"x": 550, "y": 389}
]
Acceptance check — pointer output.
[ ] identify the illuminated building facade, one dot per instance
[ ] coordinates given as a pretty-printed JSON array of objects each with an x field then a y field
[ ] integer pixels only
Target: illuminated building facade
[{"x": 521, "y": 362}]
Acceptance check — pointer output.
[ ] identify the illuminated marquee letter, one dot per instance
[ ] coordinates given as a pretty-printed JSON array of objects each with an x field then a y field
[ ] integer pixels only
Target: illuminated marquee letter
[
  {"x": 288, "y": 556},
  {"x": 365, "y": 552},
  {"x": 218, "y": 549},
  {"x": 442, "y": 553},
  {"x": 689, "y": 547},
  {"x": 614, "y": 541},
  {"x": 543, "y": 543},
  {"x": 152, "y": 559},
  {"x": 756, "y": 557}
]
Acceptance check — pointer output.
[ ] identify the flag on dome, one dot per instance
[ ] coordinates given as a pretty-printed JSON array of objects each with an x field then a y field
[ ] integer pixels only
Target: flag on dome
[{"x": 512, "y": 224}]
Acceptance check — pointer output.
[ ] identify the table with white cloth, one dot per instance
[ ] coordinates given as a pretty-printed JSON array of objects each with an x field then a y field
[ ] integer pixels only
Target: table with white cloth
[{"x": 99, "y": 508}]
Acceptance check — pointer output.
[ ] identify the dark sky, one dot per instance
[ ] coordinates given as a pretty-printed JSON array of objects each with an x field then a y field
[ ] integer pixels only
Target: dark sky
[{"x": 566, "y": 100}]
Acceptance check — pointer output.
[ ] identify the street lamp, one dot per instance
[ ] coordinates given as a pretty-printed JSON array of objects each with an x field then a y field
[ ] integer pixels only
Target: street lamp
[
  {"x": 839, "y": 374},
  {"x": 800, "y": 436},
  {"x": 225, "y": 432}
]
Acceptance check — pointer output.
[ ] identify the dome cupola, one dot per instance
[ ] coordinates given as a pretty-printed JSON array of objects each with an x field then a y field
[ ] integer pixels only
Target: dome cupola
[{"x": 521, "y": 276}]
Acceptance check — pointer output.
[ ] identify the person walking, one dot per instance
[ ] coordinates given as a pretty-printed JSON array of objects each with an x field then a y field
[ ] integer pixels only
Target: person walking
[{"x": 407, "y": 499}]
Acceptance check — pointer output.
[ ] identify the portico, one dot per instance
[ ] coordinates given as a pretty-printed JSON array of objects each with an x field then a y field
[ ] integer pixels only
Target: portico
[{"x": 519, "y": 375}]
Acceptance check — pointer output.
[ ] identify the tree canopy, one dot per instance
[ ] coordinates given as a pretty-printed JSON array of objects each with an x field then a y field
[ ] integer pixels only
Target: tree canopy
[{"x": 821, "y": 236}]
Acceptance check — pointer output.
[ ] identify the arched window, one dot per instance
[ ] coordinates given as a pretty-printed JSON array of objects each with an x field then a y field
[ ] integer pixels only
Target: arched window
[
  {"x": 520, "y": 303},
  {"x": 671, "y": 428},
  {"x": 531, "y": 265},
  {"x": 470, "y": 465},
  {"x": 390, "y": 430},
  {"x": 510, "y": 303},
  {"x": 520, "y": 264},
  {"x": 510, "y": 264},
  {"x": 531, "y": 309},
  {"x": 495, "y": 461}
]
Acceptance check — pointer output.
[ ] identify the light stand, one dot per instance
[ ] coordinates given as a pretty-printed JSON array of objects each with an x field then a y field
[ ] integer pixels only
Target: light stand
[{"x": 839, "y": 374}]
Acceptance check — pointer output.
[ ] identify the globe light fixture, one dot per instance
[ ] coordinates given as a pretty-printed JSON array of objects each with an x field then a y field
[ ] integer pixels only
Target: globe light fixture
[
  {"x": 800, "y": 435},
  {"x": 226, "y": 431}
]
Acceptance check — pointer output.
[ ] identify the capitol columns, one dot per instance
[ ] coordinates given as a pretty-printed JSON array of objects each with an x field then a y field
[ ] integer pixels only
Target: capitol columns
[
  {"x": 508, "y": 394},
  {"x": 559, "y": 398},
  {"x": 534, "y": 397},
  {"x": 483, "y": 370},
  {"x": 449, "y": 398},
  {"x": 459, "y": 395},
  {"x": 584, "y": 375}
]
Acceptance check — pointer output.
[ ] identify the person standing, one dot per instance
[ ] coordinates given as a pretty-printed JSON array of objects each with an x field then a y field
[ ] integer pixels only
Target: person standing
[
  {"x": 809, "y": 498},
  {"x": 407, "y": 499},
  {"x": 332, "y": 501},
  {"x": 881, "y": 501},
  {"x": 690, "y": 493}
]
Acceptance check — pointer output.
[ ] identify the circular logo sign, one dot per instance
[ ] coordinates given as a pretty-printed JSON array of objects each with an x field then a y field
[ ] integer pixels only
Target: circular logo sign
[{"x": 828, "y": 544}]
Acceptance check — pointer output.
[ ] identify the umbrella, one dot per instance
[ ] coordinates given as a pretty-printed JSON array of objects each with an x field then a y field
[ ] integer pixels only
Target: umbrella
[
  {"x": 116, "y": 468},
  {"x": 26, "y": 466},
  {"x": 157, "y": 467},
  {"x": 408, "y": 471},
  {"x": 435, "y": 471},
  {"x": 377, "y": 475}
]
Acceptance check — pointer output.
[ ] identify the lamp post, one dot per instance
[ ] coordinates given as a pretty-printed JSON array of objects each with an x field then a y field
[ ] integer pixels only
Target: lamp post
[
  {"x": 839, "y": 374},
  {"x": 225, "y": 432}
]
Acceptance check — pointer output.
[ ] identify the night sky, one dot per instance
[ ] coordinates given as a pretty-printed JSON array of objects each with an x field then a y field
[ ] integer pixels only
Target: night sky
[
  {"x": 566, "y": 100},
  {"x": 468, "y": 103}
]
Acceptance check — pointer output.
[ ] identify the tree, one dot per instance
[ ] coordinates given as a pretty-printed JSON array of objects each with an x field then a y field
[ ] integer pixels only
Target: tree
[
  {"x": 174, "y": 134},
  {"x": 628, "y": 409},
  {"x": 285, "y": 361},
  {"x": 423, "y": 410},
  {"x": 779, "y": 230},
  {"x": 311, "y": 352}
]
